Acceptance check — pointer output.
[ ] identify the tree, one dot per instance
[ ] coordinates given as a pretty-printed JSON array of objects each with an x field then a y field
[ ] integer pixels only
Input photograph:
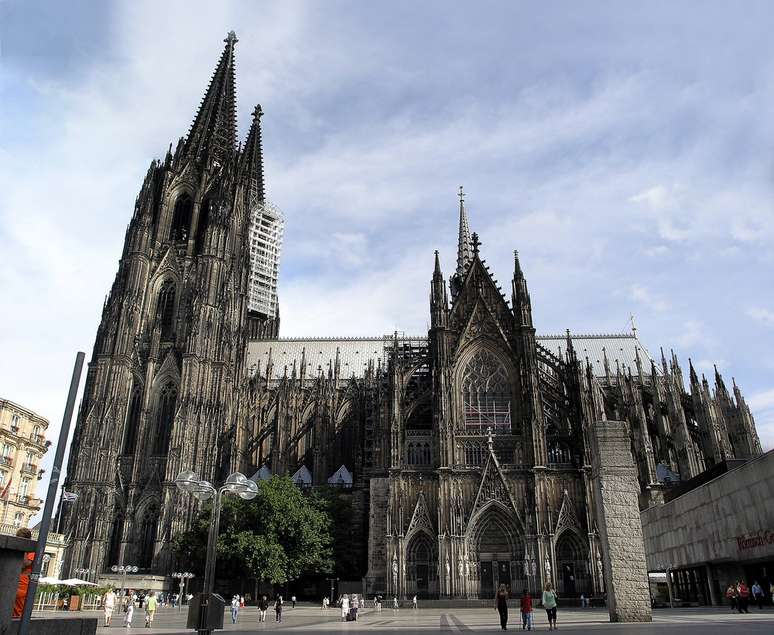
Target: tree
[{"x": 280, "y": 535}]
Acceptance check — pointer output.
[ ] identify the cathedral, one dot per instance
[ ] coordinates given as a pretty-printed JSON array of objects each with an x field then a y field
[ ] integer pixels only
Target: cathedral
[{"x": 466, "y": 450}]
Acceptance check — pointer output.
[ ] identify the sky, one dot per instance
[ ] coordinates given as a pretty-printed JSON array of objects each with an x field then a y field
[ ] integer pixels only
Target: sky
[{"x": 626, "y": 150}]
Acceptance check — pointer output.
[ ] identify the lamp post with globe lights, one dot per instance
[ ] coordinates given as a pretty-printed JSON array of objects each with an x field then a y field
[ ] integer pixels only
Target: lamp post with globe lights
[
  {"x": 184, "y": 577},
  {"x": 237, "y": 484},
  {"x": 123, "y": 571},
  {"x": 86, "y": 574}
]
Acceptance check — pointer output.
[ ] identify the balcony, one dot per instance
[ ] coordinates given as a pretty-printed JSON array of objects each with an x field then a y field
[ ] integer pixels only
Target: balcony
[
  {"x": 38, "y": 438},
  {"x": 29, "y": 501},
  {"x": 6, "y": 461},
  {"x": 29, "y": 468}
]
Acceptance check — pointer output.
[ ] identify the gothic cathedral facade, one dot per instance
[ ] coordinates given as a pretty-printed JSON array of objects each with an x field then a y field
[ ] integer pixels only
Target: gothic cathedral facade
[{"x": 466, "y": 450}]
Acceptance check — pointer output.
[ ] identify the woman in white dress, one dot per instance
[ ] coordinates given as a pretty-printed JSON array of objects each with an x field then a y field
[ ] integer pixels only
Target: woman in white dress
[{"x": 344, "y": 607}]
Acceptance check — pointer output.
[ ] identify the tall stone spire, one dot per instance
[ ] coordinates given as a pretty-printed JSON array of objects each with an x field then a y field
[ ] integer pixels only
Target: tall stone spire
[
  {"x": 213, "y": 133},
  {"x": 252, "y": 162},
  {"x": 464, "y": 250}
]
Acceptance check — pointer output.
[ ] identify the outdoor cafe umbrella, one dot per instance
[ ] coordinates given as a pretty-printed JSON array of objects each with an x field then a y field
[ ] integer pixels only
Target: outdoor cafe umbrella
[
  {"x": 77, "y": 582},
  {"x": 49, "y": 580}
]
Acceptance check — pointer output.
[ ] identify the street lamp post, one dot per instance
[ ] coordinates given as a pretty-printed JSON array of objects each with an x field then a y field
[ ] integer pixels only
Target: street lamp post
[
  {"x": 237, "y": 484},
  {"x": 184, "y": 577},
  {"x": 123, "y": 571},
  {"x": 332, "y": 580},
  {"x": 87, "y": 573}
]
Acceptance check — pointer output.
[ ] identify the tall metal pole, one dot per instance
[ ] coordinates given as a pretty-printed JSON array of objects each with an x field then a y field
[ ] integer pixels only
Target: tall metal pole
[
  {"x": 53, "y": 485},
  {"x": 209, "y": 566}
]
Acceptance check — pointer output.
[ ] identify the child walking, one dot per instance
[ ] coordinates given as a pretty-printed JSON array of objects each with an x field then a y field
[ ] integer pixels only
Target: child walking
[{"x": 526, "y": 610}]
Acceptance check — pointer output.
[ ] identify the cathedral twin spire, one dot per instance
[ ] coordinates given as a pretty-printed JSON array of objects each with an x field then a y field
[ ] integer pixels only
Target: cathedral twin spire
[{"x": 213, "y": 134}]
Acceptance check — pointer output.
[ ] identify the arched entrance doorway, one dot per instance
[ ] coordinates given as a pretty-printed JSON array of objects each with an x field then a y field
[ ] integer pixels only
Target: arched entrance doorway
[
  {"x": 573, "y": 575},
  {"x": 497, "y": 546},
  {"x": 422, "y": 566}
]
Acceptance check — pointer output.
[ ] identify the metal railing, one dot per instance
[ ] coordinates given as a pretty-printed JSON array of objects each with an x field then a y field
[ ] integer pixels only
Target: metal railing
[{"x": 9, "y": 529}]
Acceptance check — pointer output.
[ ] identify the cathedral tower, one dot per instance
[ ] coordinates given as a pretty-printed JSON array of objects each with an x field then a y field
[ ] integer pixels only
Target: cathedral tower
[{"x": 168, "y": 360}]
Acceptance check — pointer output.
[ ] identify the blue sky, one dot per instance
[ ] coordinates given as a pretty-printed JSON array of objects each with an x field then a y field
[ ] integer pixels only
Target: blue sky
[{"x": 627, "y": 152}]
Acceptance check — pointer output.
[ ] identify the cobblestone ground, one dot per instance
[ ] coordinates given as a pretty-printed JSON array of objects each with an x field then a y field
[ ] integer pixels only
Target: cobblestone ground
[{"x": 308, "y": 619}]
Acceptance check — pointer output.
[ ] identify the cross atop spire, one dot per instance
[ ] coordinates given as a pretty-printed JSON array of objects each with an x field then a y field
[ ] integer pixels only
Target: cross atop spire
[
  {"x": 213, "y": 133},
  {"x": 463, "y": 244}
]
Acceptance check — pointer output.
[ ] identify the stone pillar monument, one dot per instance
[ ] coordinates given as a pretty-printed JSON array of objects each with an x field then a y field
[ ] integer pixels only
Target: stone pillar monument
[{"x": 616, "y": 489}]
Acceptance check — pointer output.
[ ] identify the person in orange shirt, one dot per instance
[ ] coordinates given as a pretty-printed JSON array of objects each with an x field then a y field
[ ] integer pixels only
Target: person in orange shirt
[{"x": 24, "y": 578}]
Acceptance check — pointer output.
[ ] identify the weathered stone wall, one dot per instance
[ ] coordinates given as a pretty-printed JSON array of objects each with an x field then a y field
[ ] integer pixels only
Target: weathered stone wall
[
  {"x": 614, "y": 478},
  {"x": 376, "y": 578},
  {"x": 729, "y": 519}
]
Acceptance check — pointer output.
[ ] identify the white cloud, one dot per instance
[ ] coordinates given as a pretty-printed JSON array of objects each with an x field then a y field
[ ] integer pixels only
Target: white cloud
[
  {"x": 759, "y": 314},
  {"x": 693, "y": 333},
  {"x": 762, "y": 405},
  {"x": 643, "y": 296}
]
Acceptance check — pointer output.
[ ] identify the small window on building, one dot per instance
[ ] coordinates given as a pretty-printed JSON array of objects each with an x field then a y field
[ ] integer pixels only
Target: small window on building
[{"x": 18, "y": 520}]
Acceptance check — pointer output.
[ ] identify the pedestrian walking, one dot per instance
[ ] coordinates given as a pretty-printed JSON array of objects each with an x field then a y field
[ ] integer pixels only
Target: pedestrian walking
[
  {"x": 324, "y": 603},
  {"x": 108, "y": 604},
  {"x": 293, "y": 600},
  {"x": 278, "y": 609},
  {"x": 526, "y": 610},
  {"x": 378, "y": 603},
  {"x": 549, "y": 604},
  {"x": 151, "y": 603},
  {"x": 731, "y": 596},
  {"x": 129, "y": 612},
  {"x": 241, "y": 601},
  {"x": 501, "y": 606},
  {"x": 234, "y": 609},
  {"x": 355, "y": 606},
  {"x": 24, "y": 574},
  {"x": 263, "y": 606},
  {"x": 394, "y": 603},
  {"x": 414, "y": 602},
  {"x": 743, "y": 599},
  {"x": 344, "y": 608},
  {"x": 757, "y": 594}
]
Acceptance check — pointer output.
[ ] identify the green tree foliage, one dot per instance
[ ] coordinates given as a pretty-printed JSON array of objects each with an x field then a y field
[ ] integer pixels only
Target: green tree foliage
[
  {"x": 280, "y": 535},
  {"x": 347, "y": 552}
]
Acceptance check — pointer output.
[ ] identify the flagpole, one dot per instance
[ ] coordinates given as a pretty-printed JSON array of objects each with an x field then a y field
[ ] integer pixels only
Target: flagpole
[
  {"x": 59, "y": 513},
  {"x": 53, "y": 485}
]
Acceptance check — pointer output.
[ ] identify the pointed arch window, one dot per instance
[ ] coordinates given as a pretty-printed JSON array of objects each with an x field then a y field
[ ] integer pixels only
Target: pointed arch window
[
  {"x": 486, "y": 394},
  {"x": 202, "y": 224},
  {"x": 165, "y": 309},
  {"x": 165, "y": 415},
  {"x": 132, "y": 420},
  {"x": 148, "y": 537},
  {"x": 181, "y": 218}
]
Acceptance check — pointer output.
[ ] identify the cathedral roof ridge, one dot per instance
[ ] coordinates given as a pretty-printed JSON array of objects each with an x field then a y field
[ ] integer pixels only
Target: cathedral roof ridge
[
  {"x": 327, "y": 338},
  {"x": 596, "y": 336}
]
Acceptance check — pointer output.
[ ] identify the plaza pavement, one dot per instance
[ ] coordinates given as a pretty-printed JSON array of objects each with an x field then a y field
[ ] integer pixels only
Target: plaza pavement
[{"x": 311, "y": 619}]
